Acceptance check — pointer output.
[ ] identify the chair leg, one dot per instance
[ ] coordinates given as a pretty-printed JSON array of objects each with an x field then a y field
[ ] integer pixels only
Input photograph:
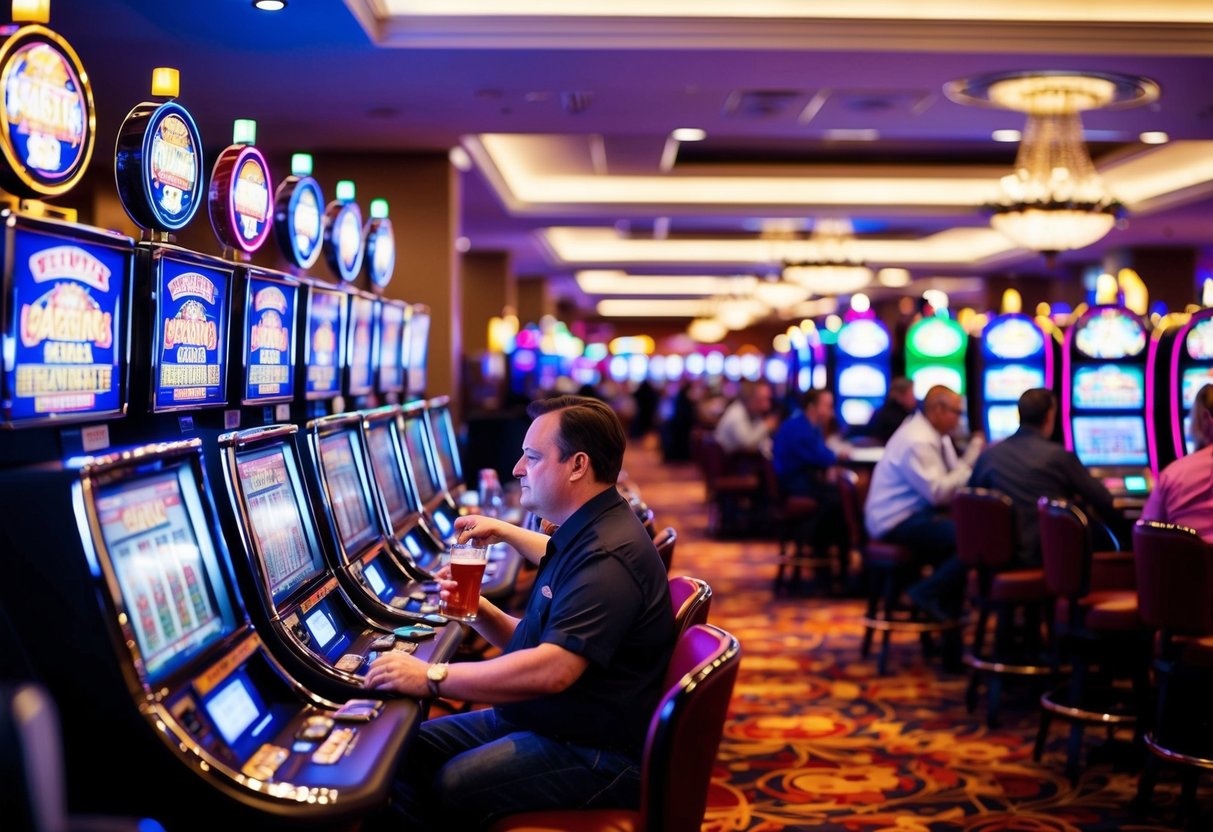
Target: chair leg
[
  {"x": 1145, "y": 784},
  {"x": 993, "y": 699},
  {"x": 1042, "y": 735},
  {"x": 971, "y": 691}
]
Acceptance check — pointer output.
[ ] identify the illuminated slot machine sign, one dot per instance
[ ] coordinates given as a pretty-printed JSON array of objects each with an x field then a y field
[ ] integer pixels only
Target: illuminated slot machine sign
[
  {"x": 191, "y": 338},
  {"x": 1016, "y": 357},
  {"x": 360, "y": 378},
  {"x": 391, "y": 346},
  {"x": 269, "y": 344},
  {"x": 66, "y": 294},
  {"x": 324, "y": 344},
  {"x": 935, "y": 355},
  {"x": 1104, "y": 396},
  {"x": 419, "y": 346},
  {"x": 861, "y": 378}
]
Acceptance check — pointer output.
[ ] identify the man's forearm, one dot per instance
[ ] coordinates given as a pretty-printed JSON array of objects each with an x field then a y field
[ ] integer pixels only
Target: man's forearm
[{"x": 493, "y": 624}]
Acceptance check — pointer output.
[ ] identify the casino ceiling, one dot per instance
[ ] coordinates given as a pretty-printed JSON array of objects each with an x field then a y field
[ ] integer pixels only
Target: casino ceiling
[{"x": 567, "y": 114}]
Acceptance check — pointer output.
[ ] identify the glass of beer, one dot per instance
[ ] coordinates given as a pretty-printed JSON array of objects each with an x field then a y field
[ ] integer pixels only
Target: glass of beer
[{"x": 467, "y": 562}]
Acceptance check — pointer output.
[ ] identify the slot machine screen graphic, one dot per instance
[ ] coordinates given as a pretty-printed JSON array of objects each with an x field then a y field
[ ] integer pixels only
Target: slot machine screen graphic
[
  {"x": 414, "y": 444},
  {"x": 419, "y": 344},
  {"x": 387, "y": 471},
  {"x": 191, "y": 335},
  {"x": 64, "y": 329},
  {"x": 1109, "y": 387},
  {"x": 1110, "y": 440},
  {"x": 1010, "y": 381},
  {"x": 362, "y": 345},
  {"x": 441, "y": 430},
  {"x": 391, "y": 347},
  {"x": 325, "y": 337},
  {"x": 269, "y": 347},
  {"x": 167, "y": 570},
  {"x": 271, "y": 495},
  {"x": 347, "y": 492}
]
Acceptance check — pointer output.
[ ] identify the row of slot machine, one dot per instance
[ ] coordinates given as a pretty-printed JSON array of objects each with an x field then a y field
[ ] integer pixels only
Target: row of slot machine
[
  {"x": 200, "y": 559},
  {"x": 1125, "y": 389}
]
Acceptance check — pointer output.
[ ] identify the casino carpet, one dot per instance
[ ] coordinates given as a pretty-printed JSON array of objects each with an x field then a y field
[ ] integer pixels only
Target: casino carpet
[{"x": 816, "y": 740}]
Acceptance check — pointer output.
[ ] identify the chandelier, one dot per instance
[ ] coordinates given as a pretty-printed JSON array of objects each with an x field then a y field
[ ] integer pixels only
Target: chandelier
[
  {"x": 827, "y": 263},
  {"x": 1055, "y": 200}
]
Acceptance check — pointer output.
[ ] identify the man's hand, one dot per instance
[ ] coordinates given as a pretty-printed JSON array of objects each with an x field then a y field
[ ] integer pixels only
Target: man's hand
[
  {"x": 485, "y": 531},
  {"x": 398, "y": 672}
]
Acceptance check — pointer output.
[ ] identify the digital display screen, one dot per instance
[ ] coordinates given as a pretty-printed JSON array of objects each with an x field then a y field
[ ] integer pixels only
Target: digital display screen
[
  {"x": 391, "y": 347},
  {"x": 1013, "y": 337},
  {"x": 277, "y": 526},
  {"x": 1195, "y": 378},
  {"x": 1136, "y": 485},
  {"x": 347, "y": 495},
  {"x": 924, "y": 378},
  {"x": 167, "y": 570},
  {"x": 937, "y": 338},
  {"x": 191, "y": 334},
  {"x": 1010, "y": 381},
  {"x": 1110, "y": 333},
  {"x": 863, "y": 339},
  {"x": 1199, "y": 341},
  {"x": 362, "y": 345},
  {"x": 232, "y": 709},
  {"x": 1108, "y": 387},
  {"x": 325, "y": 331},
  {"x": 269, "y": 348},
  {"x": 414, "y": 445},
  {"x": 863, "y": 380},
  {"x": 448, "y": 455},
  {"x": 1110, "y": 440},
  {"x": 321, "y": 627},
  {"x": 419, "y": 344},
  {"x": 374, "y": 578},
  {"x": 1002, "y": 421},
  {"x": 64, "y": 328},
  {"x": 386, "y": 468},
  {"x": 856, "y": 412}
]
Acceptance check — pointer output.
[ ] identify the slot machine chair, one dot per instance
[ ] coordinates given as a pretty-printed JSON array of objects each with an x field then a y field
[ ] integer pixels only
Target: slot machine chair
[
  {"x": 679, "y": 752},
  {"x": 665, "y": 541},
  {"x": 1094, "y": 627},
  {"x": 730, "y": 495},
  {"x": 985, "y": 544},
  {"x": 1175, "y": 600},
  {"x": 889, "y": 567},
  {"x": 795, "y": 518},
  {"x": 692, "y": 600}
]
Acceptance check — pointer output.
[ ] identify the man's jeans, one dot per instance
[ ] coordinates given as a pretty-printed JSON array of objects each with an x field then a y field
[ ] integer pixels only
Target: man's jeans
[{"x": 464, "y": 771}]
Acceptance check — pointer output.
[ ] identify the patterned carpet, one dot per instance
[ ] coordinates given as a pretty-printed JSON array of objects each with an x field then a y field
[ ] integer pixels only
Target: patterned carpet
[{"x": 816, "y": 740}]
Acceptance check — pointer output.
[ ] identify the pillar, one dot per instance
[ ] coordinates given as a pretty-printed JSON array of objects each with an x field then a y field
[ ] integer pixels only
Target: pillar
[
  {"x": 534, "y": 300},
  {"x": 488, "y": 288}
]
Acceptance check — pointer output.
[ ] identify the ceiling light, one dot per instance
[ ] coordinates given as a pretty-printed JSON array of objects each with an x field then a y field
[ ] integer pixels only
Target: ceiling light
[
  {"x": 689, "y": 134},
  {"x": 893, "y": 278},
  {"x": 1154, "y": 137},
  {"x": 1006, "y": 135},
  {"x": 779, "y": 294},
  {"x": 269, "y": 5},
  {"x": 827, "y": 264},
  {"x": 707, "y": 330},
  {"x": 460, "y": 158}
]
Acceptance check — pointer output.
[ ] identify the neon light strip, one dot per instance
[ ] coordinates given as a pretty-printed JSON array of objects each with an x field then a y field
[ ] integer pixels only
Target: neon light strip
[{"x": 1151, "y": 395}]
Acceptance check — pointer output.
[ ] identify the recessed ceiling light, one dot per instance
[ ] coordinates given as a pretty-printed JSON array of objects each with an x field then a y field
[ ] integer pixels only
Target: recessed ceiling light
[
  {"x": 1154, "y": 137},
  {"x": 1006, "y": 135},
  {"x": 269, "y": 5},
  {"x": 689, "y": 134}
]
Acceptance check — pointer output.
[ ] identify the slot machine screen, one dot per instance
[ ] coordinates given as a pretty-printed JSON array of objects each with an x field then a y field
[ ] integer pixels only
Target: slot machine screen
[
  {"x": 362, "y": 345},
  {"x": 862, "y": 381},
  {"x": 1014, "y": 337},
  {"x": 385, "y": 466},
  {"x": 856, "y": 411},
  {"x": 1110, "y": 333},
  {"x": 1199, "y": 341},
  {"x": 168, "y": 572},
  {"x": 1010, "y": 381},
  {"x": 391, "y": 347},
  {"x": 419, "y": 344},
  {"x": 1195, "y": 378},
  {"x": 863, "y": 339},
  {"x": 414, "y": 446},
  {"x": 1003, "y": 420},
  {"x": 1109, "y": 387},
  {"x": 325, "y": 344},
  {"x": 375, "y": 578},
  {"x": 269, "y": 346},
  {"x": 190, "y": 352},
  {"x": 234, "y": 707},
  {"x": 927, "y": 377},
  {"x": 65, "y": 329},
  {"x": 443, "y": 432},
  {"x": 269, "y": 483},
  {"x": 348, "y": 489},
  {"x": 1110, "y": 440}
]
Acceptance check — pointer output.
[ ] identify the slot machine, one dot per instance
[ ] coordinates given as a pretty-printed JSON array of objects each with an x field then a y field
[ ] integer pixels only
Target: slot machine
[
  {"x": 935, "y": 354},
  {"x": 1180, "y": 363},
  {"x": 417, "y": 359},
  {"x": 1017, "y": 355},
  {"x": 862, "y": 367},
  {"x": 446, "y": 446},
  {"x": 1104, "y": 400},
  {"x": 302, "y": 610}
]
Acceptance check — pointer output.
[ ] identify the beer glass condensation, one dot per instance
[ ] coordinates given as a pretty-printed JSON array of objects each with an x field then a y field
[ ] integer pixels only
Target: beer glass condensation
[{"x": 467, "y": 562}]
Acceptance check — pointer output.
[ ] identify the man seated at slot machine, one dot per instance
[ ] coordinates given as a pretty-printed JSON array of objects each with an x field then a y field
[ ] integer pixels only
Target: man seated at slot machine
[
  {"x": 804, "y": 465},
  {"x": 747, "y": 423},
  {"x": 911, "y": 491},
  {"x": 1184, "y": 494},
  {"x": 580, "y": 672},
  {"x": 899, "y": 405},
  {"x": 1028, "y": 465}
]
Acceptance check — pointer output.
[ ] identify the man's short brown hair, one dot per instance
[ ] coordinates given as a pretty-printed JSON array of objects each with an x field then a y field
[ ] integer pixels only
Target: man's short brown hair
[{"x": 589, "y": 426}]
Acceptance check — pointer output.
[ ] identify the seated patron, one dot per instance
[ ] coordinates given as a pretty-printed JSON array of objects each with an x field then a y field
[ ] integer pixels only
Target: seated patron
[
  {"x": 803, "y": 464},
  {"x": 898, "y": 405},
  {"x": 1184, "y": 494},
  {"x": 747, "y": 423},
  {"x": 912, "y": 488},
  {"x": 581, "y": 671},
  {"x": 1028, "y": 465}
]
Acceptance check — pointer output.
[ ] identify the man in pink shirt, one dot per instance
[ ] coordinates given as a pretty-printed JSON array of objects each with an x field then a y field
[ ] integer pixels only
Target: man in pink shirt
[{"x": 1184, "y": 494}]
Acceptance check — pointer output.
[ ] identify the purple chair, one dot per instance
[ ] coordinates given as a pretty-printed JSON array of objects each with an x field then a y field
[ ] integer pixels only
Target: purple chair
[
  {"x": 679, "y": 753},
  {"x": 664, "y": 541},
  {"x": 692, "y": 599}
]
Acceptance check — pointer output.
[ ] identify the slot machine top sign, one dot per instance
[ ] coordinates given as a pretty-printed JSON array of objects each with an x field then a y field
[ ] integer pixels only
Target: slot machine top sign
[
  {"x": 48, "y": 128},
  {"x": 299, "y": 220},
  {"x": 241, "y": 198},
  {"x": 158, "y": 166}
]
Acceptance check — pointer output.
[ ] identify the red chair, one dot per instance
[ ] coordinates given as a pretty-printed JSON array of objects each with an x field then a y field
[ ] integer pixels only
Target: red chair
[
  {"x": 985, "y": 543},
  {"x": 795, "y": 519},
  {"x": 1096, "y": 627},
  {"x": 664, "y": 541},
  {"x": 1175, "y": 600},
  {"x": 680, "y": 750},
  {"x": 692, "y": 599},
  {"x": 730, "y": 494}
]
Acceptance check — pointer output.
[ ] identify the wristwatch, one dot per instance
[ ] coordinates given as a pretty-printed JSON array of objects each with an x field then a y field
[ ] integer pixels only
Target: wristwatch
[{"x": 435, "y": 674}]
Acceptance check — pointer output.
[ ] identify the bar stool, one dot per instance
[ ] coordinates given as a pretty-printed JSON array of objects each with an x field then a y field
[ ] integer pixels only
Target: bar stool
[
  {"x": 890, "y": 568},
  {"x": 1098, "y": 627},
  {"x": 1175, "y": 599},
  {"x": 985, "y": 543}
]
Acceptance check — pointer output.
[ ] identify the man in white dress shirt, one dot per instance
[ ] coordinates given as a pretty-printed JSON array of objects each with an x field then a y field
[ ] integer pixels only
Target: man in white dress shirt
[
  {"x": 912, "y": 488},
  {"x": 746, "y": 424}
]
